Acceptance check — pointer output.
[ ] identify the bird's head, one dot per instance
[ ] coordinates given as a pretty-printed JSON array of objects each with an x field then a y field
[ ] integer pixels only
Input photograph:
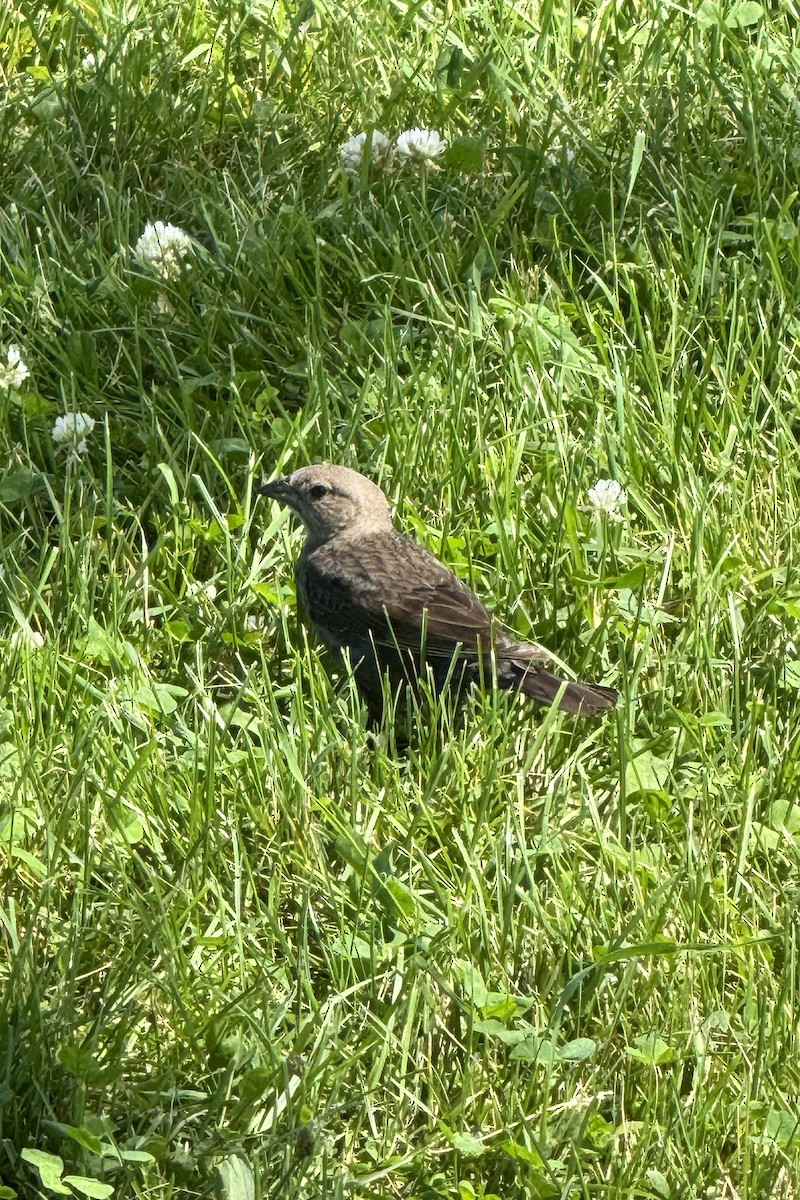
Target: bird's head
[{"x": 331, "y": 500}]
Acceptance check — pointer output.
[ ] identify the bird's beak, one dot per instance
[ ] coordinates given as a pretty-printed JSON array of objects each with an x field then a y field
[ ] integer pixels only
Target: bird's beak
[{"x": 280, "y": 490}]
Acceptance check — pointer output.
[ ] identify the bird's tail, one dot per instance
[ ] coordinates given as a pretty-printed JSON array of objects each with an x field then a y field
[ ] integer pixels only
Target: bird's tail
[{"x": 586, "y": 699}]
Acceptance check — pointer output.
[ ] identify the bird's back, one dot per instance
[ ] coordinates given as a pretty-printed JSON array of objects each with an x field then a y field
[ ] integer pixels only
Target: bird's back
[{"x": 383, "y": 587}]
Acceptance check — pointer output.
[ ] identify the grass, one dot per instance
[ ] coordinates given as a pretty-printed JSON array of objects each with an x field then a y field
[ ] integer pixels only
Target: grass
[{"x": 244, "y": 950}]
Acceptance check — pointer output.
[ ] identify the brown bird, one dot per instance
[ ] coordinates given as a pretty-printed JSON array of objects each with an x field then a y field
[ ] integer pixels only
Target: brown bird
[{"x": 396, "y": 609}]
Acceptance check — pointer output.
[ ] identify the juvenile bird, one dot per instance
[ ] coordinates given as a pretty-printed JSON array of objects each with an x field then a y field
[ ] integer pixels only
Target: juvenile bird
[{"x": 397, "y": 609}]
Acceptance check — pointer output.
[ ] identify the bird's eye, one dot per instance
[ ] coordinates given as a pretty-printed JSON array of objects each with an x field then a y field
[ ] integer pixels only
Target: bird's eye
[{"x": 318, "y": 491}]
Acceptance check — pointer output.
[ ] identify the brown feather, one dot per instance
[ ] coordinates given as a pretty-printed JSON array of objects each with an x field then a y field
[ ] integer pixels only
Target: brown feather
[{"x": 393, "y": 607}]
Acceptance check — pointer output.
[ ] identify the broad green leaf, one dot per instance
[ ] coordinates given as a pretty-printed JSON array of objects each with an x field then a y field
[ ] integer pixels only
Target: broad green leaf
[
  {"x": 466, "y": 1143},
  {"x": 17, "y": 485},
  {"x": 179, "y": 630},
  {"x": 494, "y": 1028},
  {"x": 781, "y": 1129},
  {"x": 791, "y": 674},
  {"x": 632, "y": 579},
  {"x": 136, "y": 1156},
  {"x": 89, "y": 1141},
  {"x": 538, "y": 1049},
  {"x": 765, "y": 838},
  {"x": 744, "y": 14},
  {"x": 784, "y": 813},
  {"x": 651, "y": 1049},
  {"x": 352, "y": 947},
  {"x": 503, "y": 1008},
  {"x": 403, "y": 897},
  {"x": 473, "y": 983},
  {"x": 577, "y": 1050},
  {"x": 709, "y": 14},
  {"x": 516, "y": 1150},
  {"x": 81, "y": 1063},
  {"x": 237, "y": 717},
  {"x": 96, "y": 645},
  {"x": 157, "y": 699},
  {"x": 50, "y": 1168},
  {"x": 90, "y": 1187},
  {"x": 235, "y": 1179},
  {"x": 646, "y": 773},
  {"x": 658, "y": 1183},
  {"x": 465, "y": 155},
  {"x": 714, "y": 720},
  {"x": 231, "y": 445}
]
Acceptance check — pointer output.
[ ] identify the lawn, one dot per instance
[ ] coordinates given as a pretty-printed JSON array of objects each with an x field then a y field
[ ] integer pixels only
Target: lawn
[{"x": 246, "y": 949}]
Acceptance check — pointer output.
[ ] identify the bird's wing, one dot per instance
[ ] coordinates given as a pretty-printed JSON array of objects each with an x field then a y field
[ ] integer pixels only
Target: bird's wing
[{"x": 388, "y": 589}]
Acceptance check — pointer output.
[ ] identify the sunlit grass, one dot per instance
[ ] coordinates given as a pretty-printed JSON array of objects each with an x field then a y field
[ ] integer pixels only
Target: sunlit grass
[{"x": 247, "y": 948}]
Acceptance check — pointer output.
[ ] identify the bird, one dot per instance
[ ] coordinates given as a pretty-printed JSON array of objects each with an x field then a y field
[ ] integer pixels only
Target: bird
[{"x": 392, "y": 608}]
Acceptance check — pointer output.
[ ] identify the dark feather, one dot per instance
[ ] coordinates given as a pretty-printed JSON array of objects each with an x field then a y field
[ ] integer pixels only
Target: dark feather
[
  {"x": 586, "y": 699},
  {"x": 389, "y": 602}
]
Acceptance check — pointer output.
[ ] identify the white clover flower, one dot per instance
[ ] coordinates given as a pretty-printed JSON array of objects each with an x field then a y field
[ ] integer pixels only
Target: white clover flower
[
  {"x": 27, "y": 638},
  {"x": 352, "y": 152},
  {"x": 163, "y": 248},
  {"x": 72, "y": 430},
  {"x": 162, "y": 306},
  {"x": 14, "y": 372},
  {"x": 198, "y": 590},
  {"x": 559, "y": 153},
  {"x": 22, "y": 131},
  {"x": 607, "y": 497},
  {"x": 420, "y": 145}
]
